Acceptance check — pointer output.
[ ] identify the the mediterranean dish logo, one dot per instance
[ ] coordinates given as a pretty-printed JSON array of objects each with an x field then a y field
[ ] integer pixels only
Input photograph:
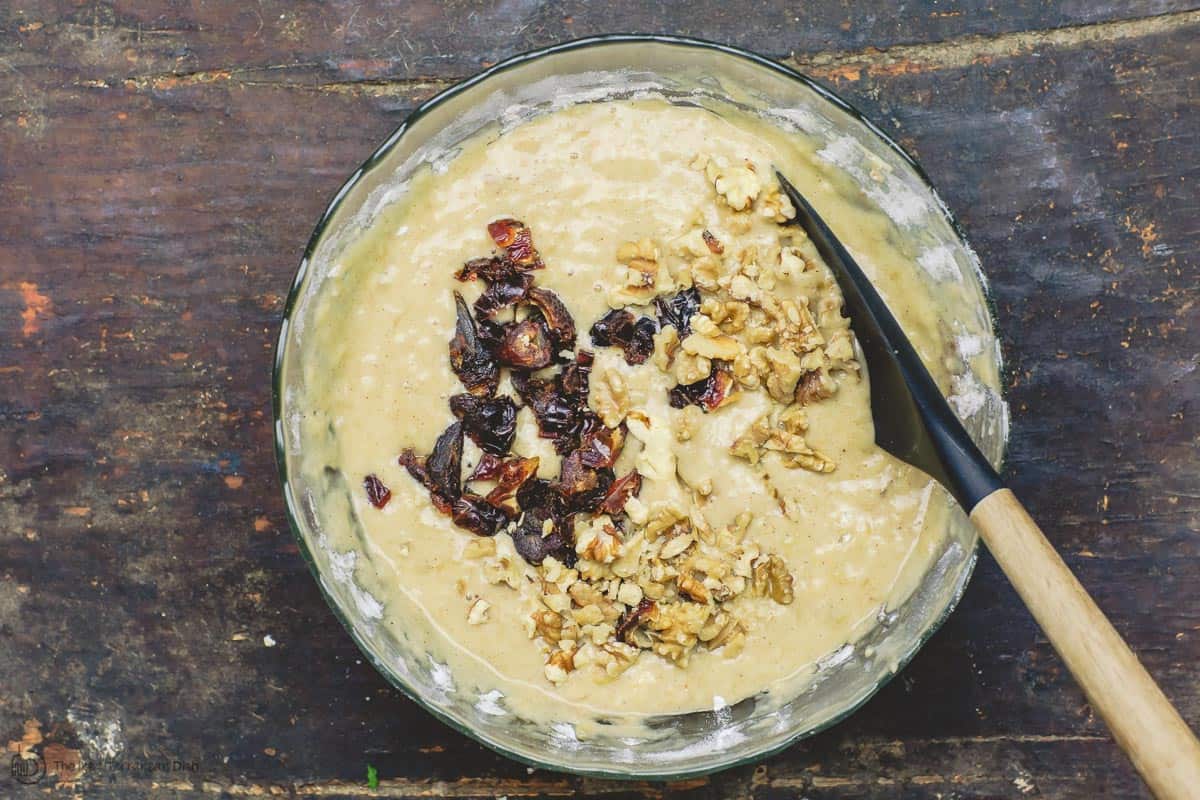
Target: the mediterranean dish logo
[
  {"x": 27, "y": 769},
  {"x": 31, "y": 768}
]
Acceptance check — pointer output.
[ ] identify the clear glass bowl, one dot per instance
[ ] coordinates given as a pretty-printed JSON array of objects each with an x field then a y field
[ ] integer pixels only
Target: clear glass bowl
[{"x": 682, "y": 70}]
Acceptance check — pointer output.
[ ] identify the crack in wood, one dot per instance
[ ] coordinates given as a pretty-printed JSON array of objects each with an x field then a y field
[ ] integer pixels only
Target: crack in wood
[
  {"x": 968, "y": 50},
  {"x": 848, "y": 65}
]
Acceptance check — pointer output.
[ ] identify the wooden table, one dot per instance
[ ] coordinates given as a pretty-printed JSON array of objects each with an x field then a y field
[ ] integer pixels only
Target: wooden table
[{"x": 161, "y": 166}]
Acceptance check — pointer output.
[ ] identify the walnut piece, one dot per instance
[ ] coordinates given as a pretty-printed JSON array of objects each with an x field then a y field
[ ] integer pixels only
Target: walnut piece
[
  {"x": 772, "y": 579},
  {"x": 477, "y": 614}
]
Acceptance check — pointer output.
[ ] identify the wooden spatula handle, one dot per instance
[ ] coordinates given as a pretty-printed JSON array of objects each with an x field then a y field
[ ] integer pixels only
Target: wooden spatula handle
[{"x": 1142, "y": 720}]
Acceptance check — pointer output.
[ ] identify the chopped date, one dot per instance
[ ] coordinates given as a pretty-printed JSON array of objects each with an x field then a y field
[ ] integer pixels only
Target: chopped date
[
  {"x": 583, "y": 487},
  {"x": 525, "y": 345},
  {"x": 558, "y": 320},
  {"x": 678, "y": 309},
  {"x": 620, "y": 328},
  {"x": 535, "y": 493},
  {"x": 613, "y": 329},
  {"x": 641, "y": 344},
  {"x": 539, "y": 494},
  {"x": 490, "y": 268},
  {"x": 560, "y": 416},
  {"x": 709, "y": 394},
  {"x": 377, "y": 494},
  {"x": 504, "y": 292},
  {"x": 469, "y": 356},
  {"x": 487, "y": 468},
  {"x": 632, "y": 618},
  {"x": 417, "y": 467},
  {"x": 534, "y": 545},
  {"x": 517, "y": 240},
  {"x": 619, "y": 493},
  {"x": 576, "y": 376},
  {"x": 491, "y": 422},
  {"x": 510, "y": 477},
  {"x": 444, "y": 464},
  {"x": 600, "y": 446},
  {"x": 477, "y": 515}
]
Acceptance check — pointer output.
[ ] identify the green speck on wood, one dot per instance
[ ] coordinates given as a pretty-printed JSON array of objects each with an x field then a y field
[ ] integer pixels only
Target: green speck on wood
[{"x": 372, "y": 777}]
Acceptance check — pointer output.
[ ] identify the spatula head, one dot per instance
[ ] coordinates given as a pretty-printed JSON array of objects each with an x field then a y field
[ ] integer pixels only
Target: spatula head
[{"x": 912, "y": 419}]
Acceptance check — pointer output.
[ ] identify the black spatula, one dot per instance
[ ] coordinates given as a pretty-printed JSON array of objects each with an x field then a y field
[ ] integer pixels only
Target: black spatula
[{"x": 914, "y": 422}]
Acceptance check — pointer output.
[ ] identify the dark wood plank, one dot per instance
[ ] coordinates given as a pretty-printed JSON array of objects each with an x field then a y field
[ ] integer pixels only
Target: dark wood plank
[
  {"x": 372, "y": 41},
  {"x": 149, "y": 230}
]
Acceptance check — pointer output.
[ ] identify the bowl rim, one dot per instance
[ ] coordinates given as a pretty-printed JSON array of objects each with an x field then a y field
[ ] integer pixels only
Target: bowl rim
[{"x": 294, "y": 292}]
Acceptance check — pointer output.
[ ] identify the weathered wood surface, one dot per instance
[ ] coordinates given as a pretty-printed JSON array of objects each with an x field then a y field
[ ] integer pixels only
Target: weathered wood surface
[{"x": 161, "y": 166}]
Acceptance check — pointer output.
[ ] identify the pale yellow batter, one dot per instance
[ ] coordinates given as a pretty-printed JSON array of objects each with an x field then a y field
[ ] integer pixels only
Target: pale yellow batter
[{"x": 585, "y": 180}]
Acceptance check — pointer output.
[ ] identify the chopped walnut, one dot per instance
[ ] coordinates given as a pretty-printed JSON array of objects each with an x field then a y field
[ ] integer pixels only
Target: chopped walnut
[
  {"x": 812, "y": 461},
  {"x": 547, "y": 625},
  {"x": 722, "y": 347},
  {"x": 814, "y": 385},
  {"x": 791, "y": 263},
  {"x": 772, "y": 579},
  {"x": 477, "y": 614},
  {"x": 599, "y": 541},
  {"x": 561, "y": 663},
  {"x": 609, "y": 396},
  {"x": 693, "y": 589},
  {"x": 638, "y": 278},
  {"x": 787, "y": 440},
  {"x": 666, "y": 343},
  {"x": 479, "y": 547},
  {"x": 784, "y": 372},
  {"x": 738, "y": 185},
  {"x": 777, "y": 206},
  {"x": 644, "y": 249},
  {"x": 690, "y": 367},
  {"x": 687, "y": 423}
]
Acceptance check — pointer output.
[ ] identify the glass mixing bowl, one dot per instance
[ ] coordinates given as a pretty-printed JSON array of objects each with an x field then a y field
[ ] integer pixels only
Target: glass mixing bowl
[{"x": 681, "y": 70}]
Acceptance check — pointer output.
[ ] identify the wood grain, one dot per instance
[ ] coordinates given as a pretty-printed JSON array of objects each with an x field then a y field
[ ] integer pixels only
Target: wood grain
[
  {"x": 1141, "y": 719},
  {"x": 162, "y": 165}
]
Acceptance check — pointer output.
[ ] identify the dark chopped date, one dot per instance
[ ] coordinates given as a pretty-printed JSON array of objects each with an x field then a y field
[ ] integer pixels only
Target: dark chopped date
[
  {"x": 641, "y": 345},
  {"x": 491, "y": 422},
  {"x": 632, "y": 618},
  {"x": 377, "y": 494},
  {"x": 576, "y": 376},
  {"x": 601, "y": 446},
  {"x": 525, "y": 345},
  {"x": 510, "y": 477},
  {"x": 517, "y": 241},
  {"x": 534, "y": 544},
  {"x": 480, "y": 517},
  {"x": 487, "y": 468},
  {"x": 539, "y": 494},
  {"x": 445, "y": 462},
  {"x": 613, "y": 329},
  {"x": 619, "y": 493},
  {"x": 678, "y": 309},
  {"x": 416, "y": 466},
  {"x": 558, "y": 320},
  {"x": 469, "y": 356},
  {"x": 490, "y": 268},
  {"x": 583, "y": 487},
  {"x": 620, "y": 328},
  {"x": 561, "y": 416},
  {"x": 708, "y": 393},
  {"x": 504, "y": 292}
]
